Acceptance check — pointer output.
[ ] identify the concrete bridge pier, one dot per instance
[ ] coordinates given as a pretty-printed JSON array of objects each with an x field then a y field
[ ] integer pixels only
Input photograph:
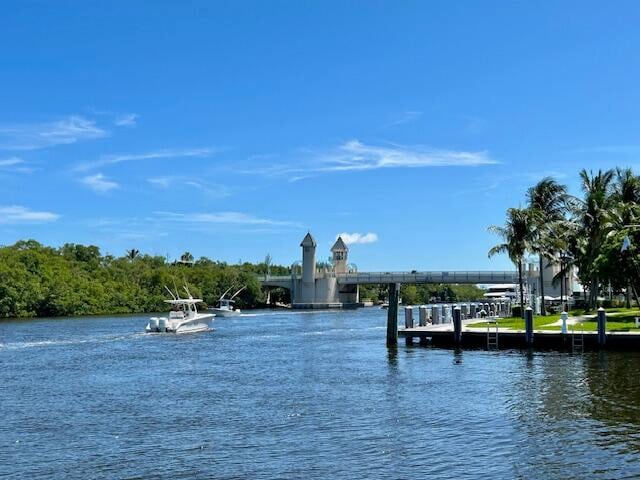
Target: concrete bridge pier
[{"x": 392, "y": 315}]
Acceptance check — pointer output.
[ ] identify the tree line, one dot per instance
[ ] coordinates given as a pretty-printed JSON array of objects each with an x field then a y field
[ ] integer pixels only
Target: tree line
[
  {"x": 423, "y": 293},
  {"x": 597, "y": 233},
  {"x": 36, "y": 280}
]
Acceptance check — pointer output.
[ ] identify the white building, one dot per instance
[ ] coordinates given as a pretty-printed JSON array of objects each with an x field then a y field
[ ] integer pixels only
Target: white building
[{"x": 318, "y": 287}]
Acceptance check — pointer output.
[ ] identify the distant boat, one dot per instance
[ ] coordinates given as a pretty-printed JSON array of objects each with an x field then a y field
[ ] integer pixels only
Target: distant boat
[
  {"x": 226, "y": 306},
  {"x": 183, "y": 317}
]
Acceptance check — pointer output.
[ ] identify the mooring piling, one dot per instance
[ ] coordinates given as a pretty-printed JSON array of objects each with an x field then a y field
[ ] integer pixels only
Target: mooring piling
[
  {"x": 602, "y": 327},
  {"x": 457, "y": 326},
  {"x": 408, "y": 317},
  {"x": 528, "y": 326},
  {"x": 423, "y": 316},
  {"x": 564, "y": 316},
  {"x": 392, "y": 315}
]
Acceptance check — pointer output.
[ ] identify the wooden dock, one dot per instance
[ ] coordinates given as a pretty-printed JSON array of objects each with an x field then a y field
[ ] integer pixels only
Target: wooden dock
[{"x": 443, "y": 336}]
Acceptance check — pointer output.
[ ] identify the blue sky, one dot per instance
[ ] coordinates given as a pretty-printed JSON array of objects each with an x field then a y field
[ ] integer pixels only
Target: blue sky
[{"x": 230, "y": 128}]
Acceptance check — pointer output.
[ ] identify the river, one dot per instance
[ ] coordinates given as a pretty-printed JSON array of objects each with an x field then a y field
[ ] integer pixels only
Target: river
[{"x": 303, "y": 395}]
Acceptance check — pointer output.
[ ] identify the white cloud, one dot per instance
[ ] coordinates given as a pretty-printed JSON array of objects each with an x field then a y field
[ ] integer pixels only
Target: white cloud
[
  {"x": 357, "y": 156},
  {"x": 99, "y": 183},
  {"x": 406, "y": 117},
  {"x": 351, "y": 238},
  {"x": 68, "y": 130},
  {"x": 126, "y": 120},
  {"x": 132, "y": 157},
  {"x": 14, "y": 165},
  {"x": 230, "y": 218},
  {"x": 11, "y": 162},
  {"x": 20, "y": 214},
  {"x": 161, "y": 182},
  {"x": 208, "y": 188},
  {"x": 354, "y": 155}
]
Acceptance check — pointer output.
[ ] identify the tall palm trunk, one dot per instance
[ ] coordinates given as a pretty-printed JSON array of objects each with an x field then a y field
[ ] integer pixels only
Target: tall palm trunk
[
  {"x": 521, "y": 288},
  {"x": 594, "y": 292},
  {"x": 543, "y": 310}
]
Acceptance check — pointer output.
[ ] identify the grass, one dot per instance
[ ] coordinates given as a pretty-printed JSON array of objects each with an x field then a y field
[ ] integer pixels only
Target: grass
[
  {"x": 517, "y": 323},
  {"x": 618, "y": 320}
]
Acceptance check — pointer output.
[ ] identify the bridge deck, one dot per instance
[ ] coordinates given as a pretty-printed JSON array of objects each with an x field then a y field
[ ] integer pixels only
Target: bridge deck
[
  {"x": 359, "y": 278},
  {"x": 428, "y": 277}
]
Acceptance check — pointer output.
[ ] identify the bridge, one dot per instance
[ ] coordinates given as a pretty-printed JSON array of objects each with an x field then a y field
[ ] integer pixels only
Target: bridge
[
  {"x": 337, "y": 285},
  {"x": 369, "y": 278}
]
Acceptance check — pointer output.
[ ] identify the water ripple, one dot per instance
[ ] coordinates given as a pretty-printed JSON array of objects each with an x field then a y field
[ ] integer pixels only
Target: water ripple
[{"x": 303, "y": 395}]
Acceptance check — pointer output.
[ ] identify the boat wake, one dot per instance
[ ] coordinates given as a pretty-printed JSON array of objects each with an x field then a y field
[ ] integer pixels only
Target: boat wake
[{"x": 69, "y": 341}]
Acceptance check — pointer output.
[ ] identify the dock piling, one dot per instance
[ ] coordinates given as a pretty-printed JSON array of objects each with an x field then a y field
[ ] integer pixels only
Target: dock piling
[
  {"x": 423, "y": 316},
  {"x": 392, "y": 315},
  {"x": 528, "y": 326},
  {"x": 408, "y": 317},
  {"x": 435, "y": 315},
  {"x": 602, "y": 326},
  {"x": 457, "y": 326},
  {"x": 563, "y": 317}
]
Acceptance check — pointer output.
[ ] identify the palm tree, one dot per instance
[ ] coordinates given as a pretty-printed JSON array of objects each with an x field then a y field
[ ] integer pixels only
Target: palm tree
[
  {"x": 624, "y": 214},
  {"x": 186, "y": 257},
  {"x": 132, "y": 254},
  {"x": 592, "y": 220},
  {"x": 547, "y": 202},
  {"x": 518, "y": 234},
  {"x": 268, "y": 261}
]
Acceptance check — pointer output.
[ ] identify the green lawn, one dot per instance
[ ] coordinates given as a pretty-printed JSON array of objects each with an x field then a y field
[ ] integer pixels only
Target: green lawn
[
  {"x": 517, "y": 323},
  {"x": 618, "y": 320}
]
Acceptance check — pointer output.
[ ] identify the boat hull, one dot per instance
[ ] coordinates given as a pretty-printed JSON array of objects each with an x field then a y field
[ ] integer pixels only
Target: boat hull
[
  {"x": 221, "y": 312},
  {"x": 191, "y": 325}
]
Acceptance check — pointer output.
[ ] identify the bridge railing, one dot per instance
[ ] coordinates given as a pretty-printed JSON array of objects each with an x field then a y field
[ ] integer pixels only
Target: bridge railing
[
  {"x": 429, "y": 277},
  {"x": 412, "y": 277}
]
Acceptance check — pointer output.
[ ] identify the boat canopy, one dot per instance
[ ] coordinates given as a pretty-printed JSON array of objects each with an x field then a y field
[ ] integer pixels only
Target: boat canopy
[{"x": 184, "y": 301}]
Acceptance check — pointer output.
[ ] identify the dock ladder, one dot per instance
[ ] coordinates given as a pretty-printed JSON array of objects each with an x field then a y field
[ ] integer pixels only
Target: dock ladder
[
  {"x": 492, "y": 334},
  {"x": 577, "y": 339}
]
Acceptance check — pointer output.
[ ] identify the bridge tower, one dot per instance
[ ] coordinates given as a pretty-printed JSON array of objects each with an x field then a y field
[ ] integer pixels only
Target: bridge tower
[
  {"x": 308, "y": 293},
  {"x": 340, "y": 252}
]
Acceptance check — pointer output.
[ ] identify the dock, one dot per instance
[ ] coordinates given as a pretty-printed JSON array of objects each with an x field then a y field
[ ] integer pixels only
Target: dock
[{"x": 480, "y": 338}]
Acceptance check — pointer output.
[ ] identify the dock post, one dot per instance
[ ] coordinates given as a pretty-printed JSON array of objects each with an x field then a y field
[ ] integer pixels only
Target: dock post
[
  {"x": 392, "y": 315},
  {"x": 472, "y": 311},
  {"x": 602, "y": 327},
  {"x": 408, "y": 317},
  {"x": 528, "y": 326},
  {"x": 422, "y": 315},
  {"x": 563, "y": 317},
  {"x": 457, "y": 326},
  {"x": 435, "y": 315}
]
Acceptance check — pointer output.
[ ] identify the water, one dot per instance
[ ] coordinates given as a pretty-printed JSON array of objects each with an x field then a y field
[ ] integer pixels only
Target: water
[{"x": 303, "y": 395}]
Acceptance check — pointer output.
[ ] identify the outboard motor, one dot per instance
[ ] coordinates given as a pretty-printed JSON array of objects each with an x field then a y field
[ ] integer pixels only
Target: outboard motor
[
  {"x": 162, "y": 325},
  {"x": 153, "y": 324}
]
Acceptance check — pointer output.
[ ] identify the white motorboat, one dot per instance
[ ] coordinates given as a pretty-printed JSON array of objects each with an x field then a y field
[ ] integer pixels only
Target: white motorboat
[
  {"x": 183, "y": 317},
  {"x": 226, "y": 306}
]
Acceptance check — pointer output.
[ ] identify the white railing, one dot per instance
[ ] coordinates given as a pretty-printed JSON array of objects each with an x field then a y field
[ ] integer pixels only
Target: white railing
[
  {"x": 429, "y": 277},
  {"x": 472, "y": 277}
]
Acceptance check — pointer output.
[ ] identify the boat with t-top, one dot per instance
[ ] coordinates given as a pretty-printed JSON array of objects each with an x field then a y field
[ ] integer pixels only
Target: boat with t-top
[
  {"x": 226, "y": 306},
  {"x": 183, "y": 317}
]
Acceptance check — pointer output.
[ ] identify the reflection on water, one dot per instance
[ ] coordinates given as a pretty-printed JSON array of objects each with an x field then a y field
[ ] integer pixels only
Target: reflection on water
[{"x": 312, "y": 394}]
